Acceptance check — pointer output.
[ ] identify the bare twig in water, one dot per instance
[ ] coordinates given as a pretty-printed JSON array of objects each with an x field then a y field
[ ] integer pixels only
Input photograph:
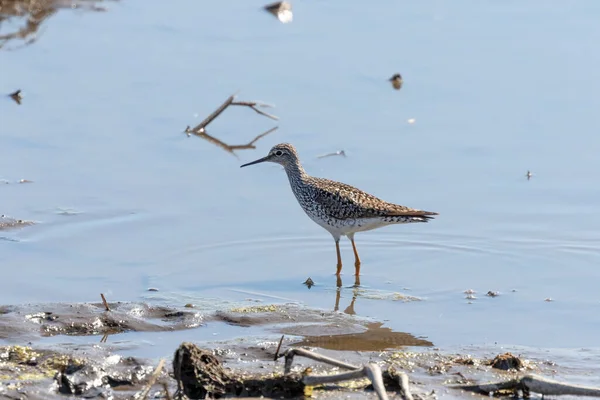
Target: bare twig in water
[
  {"x": 155, "y": 374},
  {"x": 231, "y": 148},
  {"x": 253, "y": 105},
  {"x": 201, "y": 127},
  {"x": 337, "y": 153},
  {"x": 532, "y": 383},
  {"x": 104, "y": 302}
]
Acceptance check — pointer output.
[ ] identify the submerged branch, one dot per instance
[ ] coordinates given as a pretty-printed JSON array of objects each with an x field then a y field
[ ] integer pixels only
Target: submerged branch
[{"x": 201, "y": 127}]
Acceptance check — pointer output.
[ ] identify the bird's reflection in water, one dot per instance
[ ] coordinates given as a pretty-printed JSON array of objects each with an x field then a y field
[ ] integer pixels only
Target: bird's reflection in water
[
  {"x": 338, "y": 293},
  {"x": 375, "y": 338}
]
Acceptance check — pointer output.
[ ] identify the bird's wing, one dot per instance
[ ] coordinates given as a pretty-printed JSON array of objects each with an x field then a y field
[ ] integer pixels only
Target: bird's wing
[{"x": 342, "y": 201}]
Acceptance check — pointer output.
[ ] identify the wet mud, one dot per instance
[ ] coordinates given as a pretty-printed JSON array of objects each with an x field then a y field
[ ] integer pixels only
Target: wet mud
[
  {"x": 42, "y": 320},
  {"x": 230, "y": 368}
]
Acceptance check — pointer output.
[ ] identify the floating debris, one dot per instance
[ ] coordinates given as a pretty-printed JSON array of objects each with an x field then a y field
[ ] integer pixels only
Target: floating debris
[
  {"x": 336, "y": 153},
  {"x": 548, "y": 299},
  {"x": 397, "y": 81},
  {"x": 16, "y": 96},
  {"x": 411, "y": 121},
  {"x": 152, "y": 289},
  {"x": 309, "y": 283},
  {"x": 7, "y": 222},
  {"x": 492, "y": 294},
  {"x": 25, "y": 181},
  {"x": 469, "y": 291},
  {"x": 470, "y": 297},
  {"x": 282, "y": 10},
  {"x": 528, "y": 175}
]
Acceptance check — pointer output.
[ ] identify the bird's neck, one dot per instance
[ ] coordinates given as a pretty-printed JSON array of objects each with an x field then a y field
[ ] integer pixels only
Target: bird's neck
[{"x": 295, "y": 174}]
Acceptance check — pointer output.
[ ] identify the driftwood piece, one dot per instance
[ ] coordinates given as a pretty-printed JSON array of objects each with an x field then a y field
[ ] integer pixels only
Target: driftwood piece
[
  {"x": 532, "y": 383},
  {"x": 199, "y": 374},
  {"x": 371, "y": 371},
  {"x": 401, "y": 379},
  {"x": 201, "y": 127},
  {"x": 290, "y": 353}
]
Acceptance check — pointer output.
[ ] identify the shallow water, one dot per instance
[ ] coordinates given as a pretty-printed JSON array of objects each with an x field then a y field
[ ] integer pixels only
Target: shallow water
[{"x": 124, "y": 201}]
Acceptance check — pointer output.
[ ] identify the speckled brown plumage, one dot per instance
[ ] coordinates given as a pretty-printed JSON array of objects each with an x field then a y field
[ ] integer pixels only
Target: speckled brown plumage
[{"x": 339, "y": 208}]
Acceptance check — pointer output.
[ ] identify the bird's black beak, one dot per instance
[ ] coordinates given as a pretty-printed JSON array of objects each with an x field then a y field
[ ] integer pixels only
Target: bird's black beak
[{"x": 267, "y": 158}]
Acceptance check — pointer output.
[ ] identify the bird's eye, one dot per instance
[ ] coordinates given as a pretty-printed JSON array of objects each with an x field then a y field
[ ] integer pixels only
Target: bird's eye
[{"x": 278, "y": 153}]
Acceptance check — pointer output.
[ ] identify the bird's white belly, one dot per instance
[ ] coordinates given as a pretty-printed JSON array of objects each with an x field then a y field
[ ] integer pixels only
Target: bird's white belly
[{"x": 339, "y": 227}]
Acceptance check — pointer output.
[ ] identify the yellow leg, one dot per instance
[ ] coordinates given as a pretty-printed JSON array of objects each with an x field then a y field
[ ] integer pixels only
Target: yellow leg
[
  {"x": 356, "y": 257},
  {"x": 339, "y": 257}
]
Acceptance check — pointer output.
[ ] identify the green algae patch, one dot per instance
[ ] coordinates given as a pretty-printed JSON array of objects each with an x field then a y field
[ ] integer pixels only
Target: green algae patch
[
  {"x": 22, "y": 363},
  {"x": 255, "y": 309}
]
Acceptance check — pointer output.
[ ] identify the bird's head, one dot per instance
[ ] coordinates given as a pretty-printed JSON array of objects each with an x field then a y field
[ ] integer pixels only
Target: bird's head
[{"x": 283, "y": 154}]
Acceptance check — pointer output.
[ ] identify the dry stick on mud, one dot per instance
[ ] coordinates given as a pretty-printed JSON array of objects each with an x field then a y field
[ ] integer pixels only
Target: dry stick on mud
[
  {"x": 403, "y": 383},
  {"x": 155, "y": 374},
  {"x": 166, "y": 389},
  {"x": 532, "y": 383},
  {"x": 278, "y": 348},
  {"x": 290, "y": 353},
  {"x": 371, "y": 371},
  {"x": 104, "y": 302},
  {"x": 201, "y": 127}
]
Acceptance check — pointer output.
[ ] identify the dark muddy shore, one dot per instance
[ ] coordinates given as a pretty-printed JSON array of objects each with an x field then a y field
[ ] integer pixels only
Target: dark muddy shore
[{"x": 31, "y": 369}]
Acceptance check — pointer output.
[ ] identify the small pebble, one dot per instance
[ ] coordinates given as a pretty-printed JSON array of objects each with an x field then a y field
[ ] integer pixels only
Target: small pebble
[{"x": 189, "y": 305}]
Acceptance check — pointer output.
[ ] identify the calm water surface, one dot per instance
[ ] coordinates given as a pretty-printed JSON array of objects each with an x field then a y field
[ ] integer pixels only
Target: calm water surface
[{"x": 124, "y": 201}]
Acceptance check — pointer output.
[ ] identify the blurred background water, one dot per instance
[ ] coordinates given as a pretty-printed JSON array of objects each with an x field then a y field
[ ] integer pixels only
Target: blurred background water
[{"x": 124, "y": 201}]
